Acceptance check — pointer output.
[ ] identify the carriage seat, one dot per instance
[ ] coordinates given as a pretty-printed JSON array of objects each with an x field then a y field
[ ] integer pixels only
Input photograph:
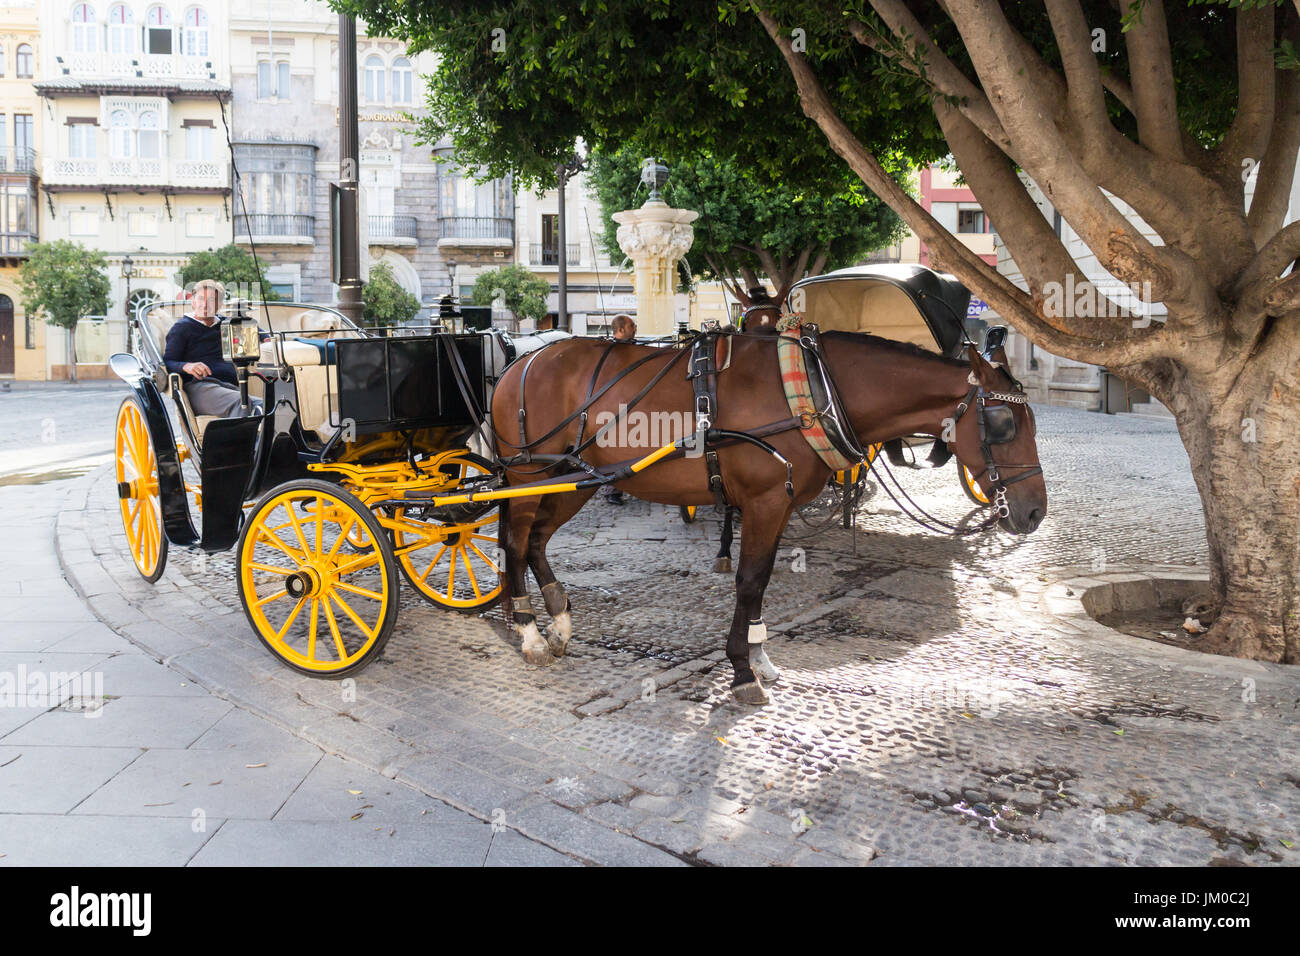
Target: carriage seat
[{"x": 315, "y": 379}]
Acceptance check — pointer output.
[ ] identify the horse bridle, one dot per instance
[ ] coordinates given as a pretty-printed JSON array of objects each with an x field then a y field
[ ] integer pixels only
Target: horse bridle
[{"x": 997, "y": 426}]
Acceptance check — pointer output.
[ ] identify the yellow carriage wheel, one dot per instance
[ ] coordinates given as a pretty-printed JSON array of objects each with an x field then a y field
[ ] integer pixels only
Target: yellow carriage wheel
[
  {"x": 450, "y": 557},
  {"x": 971, "y": 486},
  {"x": 322, "y": 608},
  {"x": 687, "y": 512},
  {"x": 136, "y": 465}
]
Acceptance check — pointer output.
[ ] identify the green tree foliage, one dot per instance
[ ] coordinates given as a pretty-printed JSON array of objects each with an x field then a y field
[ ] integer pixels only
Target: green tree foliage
[
  {"x": 385, "y": 301},
  {"x": 523, "y": 292},
  {"x": 64, "y": 281},
  {"x": 232, "y": 266},
  {"x": 748, "y": 227}
]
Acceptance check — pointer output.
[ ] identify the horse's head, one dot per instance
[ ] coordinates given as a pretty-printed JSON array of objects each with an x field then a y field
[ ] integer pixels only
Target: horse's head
[{"x": 995, "y": 437}]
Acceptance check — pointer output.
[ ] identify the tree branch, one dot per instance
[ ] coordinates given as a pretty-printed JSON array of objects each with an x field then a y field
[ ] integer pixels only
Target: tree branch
[
  {"x": 1248, "y": 136},
  {"x": 1085, "y": 94},
  {"x": 1011, "y": 303},
  {"x": 1151, "y": 73}
]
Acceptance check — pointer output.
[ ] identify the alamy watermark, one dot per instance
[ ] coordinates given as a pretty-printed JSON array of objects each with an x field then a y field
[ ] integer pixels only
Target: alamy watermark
[
  {"x": 72, "y": 690},
  {"x": 1087, "y": 300}
]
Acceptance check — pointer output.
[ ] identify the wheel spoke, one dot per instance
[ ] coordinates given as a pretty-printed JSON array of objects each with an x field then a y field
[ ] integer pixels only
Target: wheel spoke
[
  {"x": 436, "y": 558},
  {"x": 356, "y": 564},
  {"x": 490, "y": 563},
  {"x": 297, "y": 529},
  {"x": 334, "y": 629},
  {"x": 275, "y": 539},
  {"x": 311, "y": 629},
  {"x": 451, "y": 576},
  {"x": 270, "y": 568},
  {"x": 472, "y": 579},
  {"x": 293, "y": 615},
  {"x": 343, "y": 534},
  {"x": 353, "y": 589},
  {"x": 320, "y": 529},
  {"x": 273, "y": 596},
  {"x": 353, "y": 614}
]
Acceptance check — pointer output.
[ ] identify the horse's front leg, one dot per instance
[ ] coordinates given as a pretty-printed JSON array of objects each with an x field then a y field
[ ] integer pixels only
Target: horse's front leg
[
  {"x": 764, "y": 522},
  {"x": 554, "y": 511},
  {"x": 518, "y": 524}
]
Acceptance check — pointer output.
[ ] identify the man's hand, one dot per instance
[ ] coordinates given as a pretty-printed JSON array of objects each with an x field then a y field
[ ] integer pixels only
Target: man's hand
[{"x": 197, "y": 369}]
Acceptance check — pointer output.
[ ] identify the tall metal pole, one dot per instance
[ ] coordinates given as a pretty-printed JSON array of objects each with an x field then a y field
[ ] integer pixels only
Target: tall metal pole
[
  {"x": 562, "y": 280},
  {"x": 349, "y": 246}
]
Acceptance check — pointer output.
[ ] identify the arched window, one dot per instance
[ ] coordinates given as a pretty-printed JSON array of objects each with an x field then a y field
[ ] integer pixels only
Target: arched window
[
  {"x": 374, "y": 79},
  {"x": 194, "y": 41},
  {"x": 149, "y": 143},
  {"x": 24, "y": 62},
  {"x": 85, "y": 31},
  {"x": 121, "y": 29},
  {"x": 158, "y": 30},
  {"x": 401, "y": 83},
  {"x": 121, "y": 138}
]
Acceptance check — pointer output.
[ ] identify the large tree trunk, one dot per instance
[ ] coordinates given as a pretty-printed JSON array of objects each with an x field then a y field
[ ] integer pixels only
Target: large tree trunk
[{"x": 1239, "y": 432}]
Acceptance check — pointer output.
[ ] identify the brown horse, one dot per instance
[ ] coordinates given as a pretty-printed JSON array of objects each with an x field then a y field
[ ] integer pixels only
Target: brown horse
[{"x": 888, "y": 389}]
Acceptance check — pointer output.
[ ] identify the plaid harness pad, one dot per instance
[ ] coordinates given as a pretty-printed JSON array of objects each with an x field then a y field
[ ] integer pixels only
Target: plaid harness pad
[{"x": 798, "y": 393}]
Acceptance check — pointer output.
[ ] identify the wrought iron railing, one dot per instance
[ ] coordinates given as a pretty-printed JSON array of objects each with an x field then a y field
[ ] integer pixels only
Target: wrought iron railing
[
  {"x": 476, "y": 227},
  {"x": 393, "y": 227},
  {"x": 17, "y": 159},
  {"x": 542, "y": 254},
  {"x": 274, "y": 224}
]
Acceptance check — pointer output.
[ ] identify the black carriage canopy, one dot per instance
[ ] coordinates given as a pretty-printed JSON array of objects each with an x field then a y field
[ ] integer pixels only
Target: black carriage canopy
[{"x": 907, "y": 303}]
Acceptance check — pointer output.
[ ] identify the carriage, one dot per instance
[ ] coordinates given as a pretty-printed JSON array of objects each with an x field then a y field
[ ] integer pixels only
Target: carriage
[
  {"x": 328, "y": 494},
  {"x": 907, "y": 303}
]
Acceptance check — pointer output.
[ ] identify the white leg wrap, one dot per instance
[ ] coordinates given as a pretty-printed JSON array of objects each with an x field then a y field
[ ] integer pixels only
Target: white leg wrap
[
  {"x": 534, "y": 645},
  {"x": 762, "y": 665},
  {"x": 757, "y": 632},
  {"x": 559, "y": 632}
]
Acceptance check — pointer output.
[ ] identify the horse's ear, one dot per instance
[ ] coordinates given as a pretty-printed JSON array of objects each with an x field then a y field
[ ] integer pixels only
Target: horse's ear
[{"x": 981, "y": 368}]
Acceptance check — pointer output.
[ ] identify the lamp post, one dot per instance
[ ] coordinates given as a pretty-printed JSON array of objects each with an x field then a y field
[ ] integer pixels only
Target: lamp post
[
  {"x": 128, "y": 270},
  {"x": 574, "y": 164}
]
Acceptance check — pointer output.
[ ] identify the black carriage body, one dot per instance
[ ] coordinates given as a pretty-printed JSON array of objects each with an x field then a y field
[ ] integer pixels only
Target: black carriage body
[{"x": 395, "y": 384}]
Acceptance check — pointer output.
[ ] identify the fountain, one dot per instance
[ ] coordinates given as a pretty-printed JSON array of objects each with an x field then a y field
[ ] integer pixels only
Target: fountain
[{"x": 655, "y": 237}]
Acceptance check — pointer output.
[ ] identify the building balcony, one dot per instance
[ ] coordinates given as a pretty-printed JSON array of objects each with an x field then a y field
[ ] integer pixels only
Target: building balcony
[
  {"x": 276, "y": 229},
  {"x": 13, "y": 245},
  {"x": 18, "y": 159},
  {"x": 158, "y": 66},
  {"x": 542, "y": 254},
  {"x": 184, "y": 173},
  {"x": 392, "y": 230},
  {"x": 476, "y": 232}
]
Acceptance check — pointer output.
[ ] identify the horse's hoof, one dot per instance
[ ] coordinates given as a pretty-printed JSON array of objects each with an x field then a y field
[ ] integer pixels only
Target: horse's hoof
[
  {"x": 762, "y": 665},
  {"x": 535, "y": 649},
  {"x": 722, "y": 566},
  {"x": 558, "y": 633},
  {"x": 751, "y": 693},
  {"x": 539, "y": 657}
]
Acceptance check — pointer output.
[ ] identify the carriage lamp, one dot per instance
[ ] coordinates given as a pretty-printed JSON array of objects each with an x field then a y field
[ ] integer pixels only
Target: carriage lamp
[{"x": 241, "y": 345}]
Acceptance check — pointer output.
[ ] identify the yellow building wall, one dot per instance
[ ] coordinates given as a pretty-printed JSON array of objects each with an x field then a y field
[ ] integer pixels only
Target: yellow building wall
[{"x": 19, "y": 24}]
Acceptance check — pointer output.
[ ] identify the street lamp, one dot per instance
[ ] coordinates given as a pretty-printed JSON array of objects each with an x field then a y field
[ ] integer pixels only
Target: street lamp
[{"x": 128, "y": 270}]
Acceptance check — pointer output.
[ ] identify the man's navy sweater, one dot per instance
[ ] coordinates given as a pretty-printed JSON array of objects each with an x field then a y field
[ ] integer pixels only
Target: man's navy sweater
[{"x": 189, "y": 340}]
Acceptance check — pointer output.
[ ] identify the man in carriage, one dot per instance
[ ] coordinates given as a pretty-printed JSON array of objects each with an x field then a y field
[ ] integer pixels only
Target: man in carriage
[{"x": 193, "y": 351}]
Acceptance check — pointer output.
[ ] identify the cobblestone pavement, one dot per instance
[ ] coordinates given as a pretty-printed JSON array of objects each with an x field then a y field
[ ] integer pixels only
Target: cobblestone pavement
[{"x": 927, "y": 713}]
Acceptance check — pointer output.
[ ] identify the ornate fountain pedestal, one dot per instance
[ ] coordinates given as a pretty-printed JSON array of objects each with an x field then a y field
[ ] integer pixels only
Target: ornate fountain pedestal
[{"x": 655, "y": 237}]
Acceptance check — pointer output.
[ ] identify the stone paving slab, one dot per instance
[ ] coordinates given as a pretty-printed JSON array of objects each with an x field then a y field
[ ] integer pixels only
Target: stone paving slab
[
  {"x": 248, "y": 784},
  {"x": 37, "y": 779},
  {"x": 939, "y": 703},
  {"x": 84, "y": 841},
  {"x": 140, "y": 721}
]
